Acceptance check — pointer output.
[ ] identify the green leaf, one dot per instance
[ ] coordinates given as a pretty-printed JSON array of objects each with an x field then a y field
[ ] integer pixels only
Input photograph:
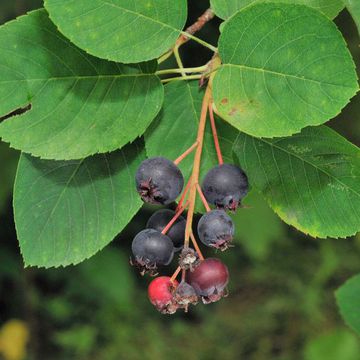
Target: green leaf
[
  {"x": 226, "y": 8},
  {"x": 335, "y": 345},
  {"x": 311, "y": 180},
  {"x": 257, "y": 240},
  {"x": 80, "y": 105},
  {"x": 120, "y": 30},
  {"x": 66, "y": 211},
  {"x": 354, "y": 8},
  {"x": 176, "y": 127},
  {"x": 285, "y": 67},
  {"x": 348, "y": 299}
]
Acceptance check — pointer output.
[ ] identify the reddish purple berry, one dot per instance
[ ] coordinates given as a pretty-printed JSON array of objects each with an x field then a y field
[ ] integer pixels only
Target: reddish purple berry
[
  {"x": 209, "y": 280},
  {"x": 225, "y": 186},
  {"x": 159, "y": 181},
  {"x": 160, "y": 292}
]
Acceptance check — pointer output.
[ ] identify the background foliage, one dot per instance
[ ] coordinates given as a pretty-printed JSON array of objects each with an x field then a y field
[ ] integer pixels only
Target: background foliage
[{"x": 281, "y": 306}]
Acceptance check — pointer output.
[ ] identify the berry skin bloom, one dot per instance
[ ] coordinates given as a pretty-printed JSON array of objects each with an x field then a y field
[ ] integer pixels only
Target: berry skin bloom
[
  {"x": 225, "y": 186},
  {"x": 159, "y": 181},
  {"x": 209, "y": 280},
  {"x": 150, "y": 249},
  {"x": 216, "y": 229},
  {"x": 160, "y": 292},
  {"x": 176, "y": 233}
]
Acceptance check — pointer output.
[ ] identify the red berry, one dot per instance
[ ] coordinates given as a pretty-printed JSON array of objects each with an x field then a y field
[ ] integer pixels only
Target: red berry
[
  {"x": 209, "y": 279},
  {"x": 160, "y": 293}
]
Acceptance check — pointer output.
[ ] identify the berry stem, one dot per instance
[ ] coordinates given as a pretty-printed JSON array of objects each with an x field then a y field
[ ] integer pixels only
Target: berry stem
[
  {"x": 180, "y": 78},
  {"x": 186, "y": 190},
  {"x": 178, "y": 60},
  {"x": 203, "y": 199},
  {"x": 186, "y": 153},
  {"x": 196, "y": 246},
  {"x": 183, "y": 275},
  {"x": 175, "y": 217},
  {"x": 176, "y": 273},
  {"x": 196, "y": 167},
  {"x": 215, "y": 135},
  {"x": 198, "y": 69}
]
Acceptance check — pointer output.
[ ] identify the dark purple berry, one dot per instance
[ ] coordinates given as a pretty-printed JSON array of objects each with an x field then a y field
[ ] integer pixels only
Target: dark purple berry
[
  {"x": 225, "y": 186},
  {"x": 150, "y": 249},
  {"x": 176, "y": 233},
  {"x": 216, "y": 229},
  {"x": 159, "y": 181},
  {"x": 209, "y": 280}
]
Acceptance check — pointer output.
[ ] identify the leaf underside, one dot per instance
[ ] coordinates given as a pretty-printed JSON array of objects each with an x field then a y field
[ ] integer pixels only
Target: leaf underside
[
  {"x": 66, "y": 211},
  {"x": 127, "y": 31},
  {"x": 285, "y": 67},
  {"x": 226, "y": 8},
  {"x": 80, "y": 105},
  {"x": 311, "y": 180}
]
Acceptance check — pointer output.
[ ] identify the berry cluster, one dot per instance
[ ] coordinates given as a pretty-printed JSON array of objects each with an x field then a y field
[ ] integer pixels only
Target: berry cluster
[{"x": 160, "y": 181}]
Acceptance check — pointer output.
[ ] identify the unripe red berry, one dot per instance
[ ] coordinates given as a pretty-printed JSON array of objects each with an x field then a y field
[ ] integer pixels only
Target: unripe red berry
[
  {"x": 161, "y": 294},
  {"x": 209, "y": 279}
]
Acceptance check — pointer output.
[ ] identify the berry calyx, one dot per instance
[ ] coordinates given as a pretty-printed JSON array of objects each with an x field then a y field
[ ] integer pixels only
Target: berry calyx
[
  {"x": 160, "y": 292},
  {"x": 225, "y": 186},
  {"x": 209, "y": 279},
  {"x": 161, "y": 218},
  {"x": 216, "y": 229},
  {"x": 159, "y": 181},
  {"x": 185, "y": 295},
  {"x": 150, "y": 249},
  {"x": 188, "y": 259}
]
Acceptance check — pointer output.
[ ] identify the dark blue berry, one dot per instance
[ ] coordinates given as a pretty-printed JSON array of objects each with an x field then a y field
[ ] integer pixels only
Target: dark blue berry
[
  {"x": 225, "y": 186},
  {"x": 176, "y": 233},
  {"x": 159, "y": 181},
  {"x": 216, "y": 229},
  {"x": 150, "y": 249}
]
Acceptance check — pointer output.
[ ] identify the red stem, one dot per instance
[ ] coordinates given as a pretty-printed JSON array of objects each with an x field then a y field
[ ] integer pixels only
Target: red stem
[
  {"x": 215, "y": 135},
  {"x": 203, "y": 199},
  {"x": 175, "y": 217},
  {"x": 196, "y": 246},
  {"x": 186, "y": 190},
  {"x": 186, "y": 153},
  {"x": 176, "y": 273}
]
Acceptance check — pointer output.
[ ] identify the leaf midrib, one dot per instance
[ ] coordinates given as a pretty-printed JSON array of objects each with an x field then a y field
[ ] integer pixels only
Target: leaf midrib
[
  {"x": 285, "y": 75},
  {"x": 85, "y": 77}
]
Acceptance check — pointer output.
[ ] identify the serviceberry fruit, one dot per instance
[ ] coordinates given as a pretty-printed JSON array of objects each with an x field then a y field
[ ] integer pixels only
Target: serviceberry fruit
[
  {"x": 161, "y": 294},
  {"x": 159, "y": 181},
  {"x": 216, "y": 229},
  {"x": 176, "y": 233},
  {"x": 209, "y": 280},
  {"x": 225, "y": 186},
  {"x": 185, "y": 295},
  {"x": 188, "y": 259},
  {"x": 150, "y": 249}
]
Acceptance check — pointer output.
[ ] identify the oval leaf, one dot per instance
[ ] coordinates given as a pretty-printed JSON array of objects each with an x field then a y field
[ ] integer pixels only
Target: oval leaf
[
  {"x": 348, "y": 299},
  {"x": 285, "y": 67},
  {"x": 311, "y": 180},
  {"x": 120, "y": 30},
  {"x": 66, "y": 211},
  {"x": 176, "y": 127},
  {"x": 80, "y": 105},
  {"x": 226, "y": 8}
]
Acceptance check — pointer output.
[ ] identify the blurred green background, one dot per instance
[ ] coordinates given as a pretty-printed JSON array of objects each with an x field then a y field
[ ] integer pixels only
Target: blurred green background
[{"x": 281, "y": 304}]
